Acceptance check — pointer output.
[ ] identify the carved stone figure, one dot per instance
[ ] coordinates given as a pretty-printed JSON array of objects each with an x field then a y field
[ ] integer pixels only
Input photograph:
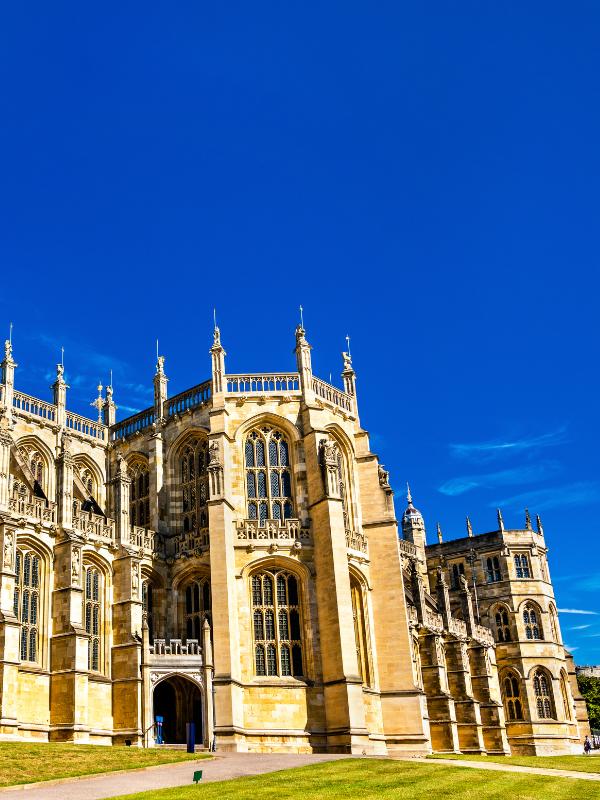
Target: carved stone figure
[
  {"x": 8, "y": 549},
  {"x": 75, "y": 565}
]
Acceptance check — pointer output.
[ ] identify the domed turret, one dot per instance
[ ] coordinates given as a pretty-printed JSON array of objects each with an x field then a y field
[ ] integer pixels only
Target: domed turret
[
  {"x": 413, "y": 530},
  {"x": 412, "y": 517}
]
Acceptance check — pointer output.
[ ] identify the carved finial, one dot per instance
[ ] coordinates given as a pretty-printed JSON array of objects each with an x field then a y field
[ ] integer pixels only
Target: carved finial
[
  {"x": 469, "y": 527},
  {"x": 160, "y": 365},
  {"x": 500, "y": 520},
  {"x": 439, "y": 533},
  {"x": 98, "y": 403},
  {"x": 527, "y": 519},
  {"x": 538, "y": 521},
  {"x": 408, "y": 494}
]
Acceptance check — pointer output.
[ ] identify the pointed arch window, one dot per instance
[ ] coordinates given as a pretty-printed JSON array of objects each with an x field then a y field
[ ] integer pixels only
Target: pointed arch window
[
  {"x": 543, "y": 696},
  {"x": 148, "y": 607},
  {"x": 360, "y": 630},
  {"x": 193, "y": 471},
  {"x": 522, "y": 567},
  {"x": 511, "y": 690},
  {"x": 197, "y": 607},
  {"x": 554, "y": 629},
  {"x": 502, "y": 621},
  {"x": 531, "y": 620},
  {"x": 416, "y": 658},
  {"x": 276, "y": 624},
  {"x": 268, "y": 475},
  {"x": 139, "y": 494},
  {"x": 94, "y": 623},
  {"x": 26, "y": 603},
  {"x": 37, "y": 467},
  {"x": 458, "y": 571},
  {"x": 493, "y": 573}
]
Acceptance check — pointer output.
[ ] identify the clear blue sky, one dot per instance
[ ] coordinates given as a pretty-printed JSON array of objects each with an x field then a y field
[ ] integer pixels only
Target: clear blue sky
[{"x": 423, "y": 178}]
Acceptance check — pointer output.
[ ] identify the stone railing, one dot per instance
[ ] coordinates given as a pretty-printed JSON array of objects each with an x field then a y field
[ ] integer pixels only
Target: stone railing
[
  {"x": 457, "y": 627},
  {"x": 192, "y": 542},
  {"x": 33, "y": 407},
  {"x": 483, "y": 635},
  {"x": 330, "y": 394},
  {"x": 144, "y": 539},
  {"x": 131, "y": 425},
  {"x": 413, "y": 617},
  {"x": 356, "y": 541},
  {"x": 86, "y": 427},
  {"x": 191, "y": 398},
  {"x": 407, "y": 548},
  {"x": 26, "y": 505},
  {"x": 433, "y": 621},
  {"x": 268, "y": 383},
  {"x": 175, "y": 647},
  {"x": 272, "y": 530},
  {"x": 94, "y": 526}
]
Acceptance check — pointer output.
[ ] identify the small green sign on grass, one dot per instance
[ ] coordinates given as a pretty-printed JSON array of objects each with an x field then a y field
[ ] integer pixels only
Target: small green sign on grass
[{"x": 197, "y": 775}]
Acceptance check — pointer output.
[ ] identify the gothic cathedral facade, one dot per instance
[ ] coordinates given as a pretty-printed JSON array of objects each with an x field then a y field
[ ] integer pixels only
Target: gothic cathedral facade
[{"x": 231, "y": 557}]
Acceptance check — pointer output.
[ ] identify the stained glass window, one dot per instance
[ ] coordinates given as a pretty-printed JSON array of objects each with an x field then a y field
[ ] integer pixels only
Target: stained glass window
[
  {"x": 268, "y": 476},
  {"x": 26, "y": 602},
  {"x": 276, "y": 624}
]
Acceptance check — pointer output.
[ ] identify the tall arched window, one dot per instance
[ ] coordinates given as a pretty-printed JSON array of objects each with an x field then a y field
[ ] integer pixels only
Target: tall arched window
[
  {"x": 194, "y": 485},
  {"x": 554, "y": 629},
  {"x": 566, "y": 695},
  {"x": 531, "y": 620},
  {"x": 36, "y": 465},
  {"x": 197, "y": 607},
  {"x": 512, "y": 696},
  {"x": 139, "y": 494},
  {"x": 342, "y": 489},
  {"x": 148, "y": 607},
  {"x": 26, "y": 603},
  {"x": 502, "y": 620},
  {"x": 268, "y": 475},
  {"x": 416, "y": 658},
  {"x": 493, "y": 573},
  {"x": 93, "y": 616},
  {"x": 276, "y": 624},
  {"x": 360, "y": 630},
  {"x": 522, "y": 568},
  {"x": 458, "y": 571},
  {"x": 543, "y": 696}
]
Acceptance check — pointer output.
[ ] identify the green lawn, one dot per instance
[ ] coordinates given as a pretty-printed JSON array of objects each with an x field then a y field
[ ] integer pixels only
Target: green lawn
[
  {"x": 26, "y": 763},
  {"x": 576, "y": 763},
  {"x": 383, "y": 780}
]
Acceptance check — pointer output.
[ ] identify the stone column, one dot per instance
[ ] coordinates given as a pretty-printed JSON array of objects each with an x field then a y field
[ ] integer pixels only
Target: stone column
[
  {"x": 346, "y": 729},
  {"x": 5, "y": 443},
  {"x": 68, "y": 646},
  {"x": 121, "y": 486},
  {"x": 9, "y": 631},
  {"x": 64, "y": 484},
  {"x": 156, "y": 478},
  {"x": 59, "y": 389},
  {"x": 208, "y": 668},
  {"x": 8, "y": 366}
]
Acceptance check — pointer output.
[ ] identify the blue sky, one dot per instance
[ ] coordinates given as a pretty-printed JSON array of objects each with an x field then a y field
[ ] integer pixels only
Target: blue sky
[{"x": 423, "y": 179}]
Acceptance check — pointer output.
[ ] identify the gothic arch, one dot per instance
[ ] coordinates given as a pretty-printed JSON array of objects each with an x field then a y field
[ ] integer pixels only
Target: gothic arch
[
  {"x": 48, "y": 459},
  {"x": 83, "y": 461},
  {"x": 31, "y": 544},
  {"x": 351, "y": 501},
  {"x": 176, "y": 447},
  {"x": 267, "y": 418}
]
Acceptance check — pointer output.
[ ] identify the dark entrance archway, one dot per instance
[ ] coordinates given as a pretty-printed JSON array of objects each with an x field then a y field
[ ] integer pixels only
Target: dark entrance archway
[{"x": 178, "y": 701}]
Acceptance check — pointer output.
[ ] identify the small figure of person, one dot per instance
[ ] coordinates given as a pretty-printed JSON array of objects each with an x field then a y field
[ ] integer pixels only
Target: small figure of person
[{"x": 587, "y": 746}]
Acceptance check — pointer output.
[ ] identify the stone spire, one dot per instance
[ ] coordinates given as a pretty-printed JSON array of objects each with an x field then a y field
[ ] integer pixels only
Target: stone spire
[
  {"x": 160, "y": 386},
  {"x": 538, "y": 521},
  {"x": 303, "y": 361},
  {"x": 109, "y": 408},
  {"x": 349, "y": 376},
  {"x": 218, "y": 361},
  {"x": 469, "y": 528},
  {"x": 439, "y": 533},
  {"x": 59, "y": 390},
  {"x": 527, "y": 520},
  {"x": 8, "y": 376},
  {"x": 500, "y": 521}
]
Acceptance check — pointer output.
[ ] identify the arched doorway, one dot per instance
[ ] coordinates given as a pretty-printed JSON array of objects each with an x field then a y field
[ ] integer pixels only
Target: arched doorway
[{"x": 178, "y": 701}]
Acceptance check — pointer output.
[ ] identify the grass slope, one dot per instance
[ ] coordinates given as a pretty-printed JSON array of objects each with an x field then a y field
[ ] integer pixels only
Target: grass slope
[
  {"x": 27, "y": 763},
  {"x": 383, "y": 780},
  {"x": 575, "y": 763}
]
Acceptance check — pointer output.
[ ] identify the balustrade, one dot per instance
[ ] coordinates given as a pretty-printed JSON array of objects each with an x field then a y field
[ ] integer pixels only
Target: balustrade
[
  {"x": 94, "y": 525},
  {"x": 457, "y": 627},
  {"x": 131, "y": 425},
  {"x": 192, "y": 542},
  {"x": 191, "y": 398},
  {"x": 332, "y": 395},
  {"x": 25, "y": 504},
  {"x": 483, "y": 635},
  {"x": 272, "y": 530},
  {"x": 175, "y": 647},
  {"x": 33, "y": 407},
  {"x": 86, "y": 427},
  {"x": 268, "y": 383},
  {"x": 356, "y": 541},
  {"x": 407, "y": 548},
  {"x": 433, "y": 621},
  {"x": 144, "y": 539}
]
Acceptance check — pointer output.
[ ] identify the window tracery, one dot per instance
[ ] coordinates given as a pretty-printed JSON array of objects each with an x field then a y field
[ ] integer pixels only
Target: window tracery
[
  {"x": 139, "y": 494},
  {"x": 512, "y": 697},
  {"x": 458, "y": 571},
  {"x": 268, "y": 475},
  {"x": 93, "y": 616},
  {"x": 194, "y": 485},
  {"x": 26, "y": 603},
  {"x": 35, "y": 462},
  {"x": 543, "y": 697},
  {"x": 360, "y": 630},
  {"x": 522, "y": 567},
  {"x": 276, "y": 624},
  {"x": 554, "y": 629},
  {"x": 502, "y": 621},
  {"x": 197, "y": 607},
  {"x": 533, "y": 629},
  {"x": 493, "y": 573}
]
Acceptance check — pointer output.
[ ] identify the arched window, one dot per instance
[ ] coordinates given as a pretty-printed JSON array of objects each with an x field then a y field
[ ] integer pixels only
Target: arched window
[
  {"x": 36, "y": 465},
  {"x": 139, "y": 494},
  {"x": 360, "y": 630},
  {"x": 148, "y": 607},
  {"x": 554, "y": 629},
  {"x": 458, "y": 570},
  {"x": 522, "y": 568},
  {"x": 193, "y": 466},
  {"x": 531, "y": 620},
  {"x": 493, "y": 573},
  {"x": 511, "y": 690},
  {"x": 26, "y": 603},
  {"x": 276, "y": 624},
  {"x": 268, "y": 475},
  {"x": 502, "y": 620},
  {"x": 416, "y": 658},
  {"x": 342, "y": 483},
  {"x": 566, "y": 695},
  {"x": 197, "y": 607},
  {"x": 543, "y": 696},
  {"x": 93, "y": 616}
]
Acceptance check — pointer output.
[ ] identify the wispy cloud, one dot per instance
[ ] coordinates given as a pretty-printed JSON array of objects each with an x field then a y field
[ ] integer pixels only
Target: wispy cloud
[
  {"x": 579, "y": 627},
  {"x": 576, "y": 611},
  {"x": 506, "y": 477},
  {"x": 486, "y": 451},
  {"x": 573, "y": 494},
  {"x": 570, "y": 649}
]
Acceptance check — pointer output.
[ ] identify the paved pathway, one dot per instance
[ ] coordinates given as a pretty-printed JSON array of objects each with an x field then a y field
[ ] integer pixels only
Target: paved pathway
[
  {"x": 220, "y": 768},
  {"x": 494, "y": 765}
]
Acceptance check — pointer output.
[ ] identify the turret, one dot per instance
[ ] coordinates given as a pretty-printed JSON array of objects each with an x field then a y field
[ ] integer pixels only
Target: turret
[
  {"x": 160, "y": 386},
  {"x": 349, "y": 377},
  {"x": 59, "y": 391},
  {"x": 109, "y": 409},
  {"x": 8, "y": 377},
  {"x": 303, "y": 362},
  {"x": 413, "y": 529},
  {"x": 218, "y": 362}
]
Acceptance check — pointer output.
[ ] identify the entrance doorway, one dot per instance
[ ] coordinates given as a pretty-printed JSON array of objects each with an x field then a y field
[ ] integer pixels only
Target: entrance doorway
[{"x": 178, "y": 701}]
